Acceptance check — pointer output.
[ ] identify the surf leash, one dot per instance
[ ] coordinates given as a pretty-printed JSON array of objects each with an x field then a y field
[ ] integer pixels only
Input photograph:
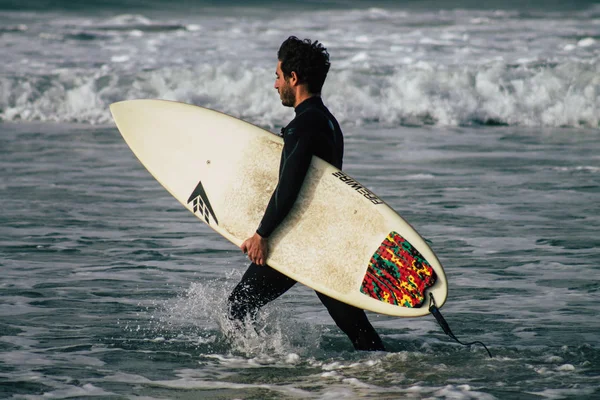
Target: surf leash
[{"x": 435, "y": 311}]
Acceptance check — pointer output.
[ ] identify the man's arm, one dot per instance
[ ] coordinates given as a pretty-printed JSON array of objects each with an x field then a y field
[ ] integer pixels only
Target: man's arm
[{"x": 295, "y": 161}]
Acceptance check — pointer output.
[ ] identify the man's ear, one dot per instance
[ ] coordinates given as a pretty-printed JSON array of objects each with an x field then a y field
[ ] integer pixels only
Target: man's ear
[{"x": 293, "y": 78}]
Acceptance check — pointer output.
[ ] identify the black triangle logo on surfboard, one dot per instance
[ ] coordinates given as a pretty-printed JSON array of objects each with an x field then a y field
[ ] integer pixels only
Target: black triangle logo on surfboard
[{"x": 201, "y": 205}]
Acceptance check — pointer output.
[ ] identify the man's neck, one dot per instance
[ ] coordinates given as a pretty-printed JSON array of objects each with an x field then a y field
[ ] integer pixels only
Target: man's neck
[
  {"x": 302, "y": 94},
  {"x": 301, "y": 98}
]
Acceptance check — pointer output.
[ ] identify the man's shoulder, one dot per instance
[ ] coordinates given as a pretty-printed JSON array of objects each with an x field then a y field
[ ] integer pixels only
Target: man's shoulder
[{"x": 312, "y": 118}]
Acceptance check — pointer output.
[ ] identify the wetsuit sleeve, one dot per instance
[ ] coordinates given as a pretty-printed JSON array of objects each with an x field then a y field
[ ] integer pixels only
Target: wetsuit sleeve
[{"x": 295, "y": 160}]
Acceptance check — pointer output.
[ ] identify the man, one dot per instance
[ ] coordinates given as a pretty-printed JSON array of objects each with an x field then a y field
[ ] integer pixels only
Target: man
[{"x": 301, "y": 72}]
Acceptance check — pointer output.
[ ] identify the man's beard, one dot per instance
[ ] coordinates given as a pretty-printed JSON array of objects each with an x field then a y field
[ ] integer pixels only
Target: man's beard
[{"x": 288, "y": 98}]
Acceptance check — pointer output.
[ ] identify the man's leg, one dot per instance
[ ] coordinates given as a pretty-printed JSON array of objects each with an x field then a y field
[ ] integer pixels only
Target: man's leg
[
  {"x": 259, "y": 285},
  {"x": 353, "y": 321}
]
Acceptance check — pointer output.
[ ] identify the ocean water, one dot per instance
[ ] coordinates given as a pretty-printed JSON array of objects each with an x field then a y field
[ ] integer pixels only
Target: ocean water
[{"x": 479, "y": 123}]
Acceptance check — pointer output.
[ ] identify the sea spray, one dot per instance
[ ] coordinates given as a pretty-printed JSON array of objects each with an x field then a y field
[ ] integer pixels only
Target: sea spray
[{"x": 199, "y": 315}]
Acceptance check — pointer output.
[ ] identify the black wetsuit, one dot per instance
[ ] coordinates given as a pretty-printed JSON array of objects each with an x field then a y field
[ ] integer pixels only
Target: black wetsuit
[{"x": 314, "y": 131}]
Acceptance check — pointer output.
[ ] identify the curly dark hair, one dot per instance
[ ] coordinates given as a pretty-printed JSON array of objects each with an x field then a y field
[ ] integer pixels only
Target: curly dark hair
[{"x": 309, "y": 60}]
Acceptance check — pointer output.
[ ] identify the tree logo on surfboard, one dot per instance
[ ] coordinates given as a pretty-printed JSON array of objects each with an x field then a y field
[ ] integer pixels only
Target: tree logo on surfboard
[{"x": 201, "y": 205}]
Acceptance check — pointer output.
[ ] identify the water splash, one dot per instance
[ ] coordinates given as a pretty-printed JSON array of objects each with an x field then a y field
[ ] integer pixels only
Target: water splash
[{"x": 199, "y": 316}]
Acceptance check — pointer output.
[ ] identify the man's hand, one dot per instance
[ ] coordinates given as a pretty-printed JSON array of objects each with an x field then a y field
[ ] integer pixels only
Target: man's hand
[{"x": 256, "y": 249}]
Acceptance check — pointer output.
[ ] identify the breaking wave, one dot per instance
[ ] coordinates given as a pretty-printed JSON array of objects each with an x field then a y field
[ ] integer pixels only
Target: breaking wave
[{"x": 544, "y": 95}]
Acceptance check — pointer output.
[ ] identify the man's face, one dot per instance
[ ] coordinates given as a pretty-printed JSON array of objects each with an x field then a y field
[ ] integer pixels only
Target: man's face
[{"x": 286, "y": 93}]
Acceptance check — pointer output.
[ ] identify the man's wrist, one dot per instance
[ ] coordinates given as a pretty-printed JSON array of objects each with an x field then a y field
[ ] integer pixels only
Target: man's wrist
[{"x": 261, "y": 235}]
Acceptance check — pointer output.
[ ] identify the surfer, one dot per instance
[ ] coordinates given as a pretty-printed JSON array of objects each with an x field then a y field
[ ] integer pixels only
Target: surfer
[{"x": 301, "y": 71}]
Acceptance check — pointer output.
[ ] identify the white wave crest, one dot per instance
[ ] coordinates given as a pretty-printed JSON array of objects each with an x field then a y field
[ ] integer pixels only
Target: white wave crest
[
  {"x": 565, "y": 95},
  {"x": 498, "y": 94}
]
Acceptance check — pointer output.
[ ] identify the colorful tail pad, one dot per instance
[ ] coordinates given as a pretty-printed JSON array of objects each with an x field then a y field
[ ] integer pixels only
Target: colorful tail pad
[{"x": 398, "y": 274}]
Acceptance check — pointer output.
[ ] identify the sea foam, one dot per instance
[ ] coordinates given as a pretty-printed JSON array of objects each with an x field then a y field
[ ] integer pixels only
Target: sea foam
[{"x": 564, "y": 95}]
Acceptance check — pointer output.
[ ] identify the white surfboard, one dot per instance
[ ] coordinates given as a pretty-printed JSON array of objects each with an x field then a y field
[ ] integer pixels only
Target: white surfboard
[{"x": 339, "y": 239}]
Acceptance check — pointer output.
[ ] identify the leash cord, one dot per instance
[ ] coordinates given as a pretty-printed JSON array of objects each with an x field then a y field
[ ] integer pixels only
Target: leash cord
[{"x": 446, "y": 328}]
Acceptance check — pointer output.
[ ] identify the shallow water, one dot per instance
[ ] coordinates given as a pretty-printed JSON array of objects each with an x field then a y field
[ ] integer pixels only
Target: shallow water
[{"x": 111, "y": 289}]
